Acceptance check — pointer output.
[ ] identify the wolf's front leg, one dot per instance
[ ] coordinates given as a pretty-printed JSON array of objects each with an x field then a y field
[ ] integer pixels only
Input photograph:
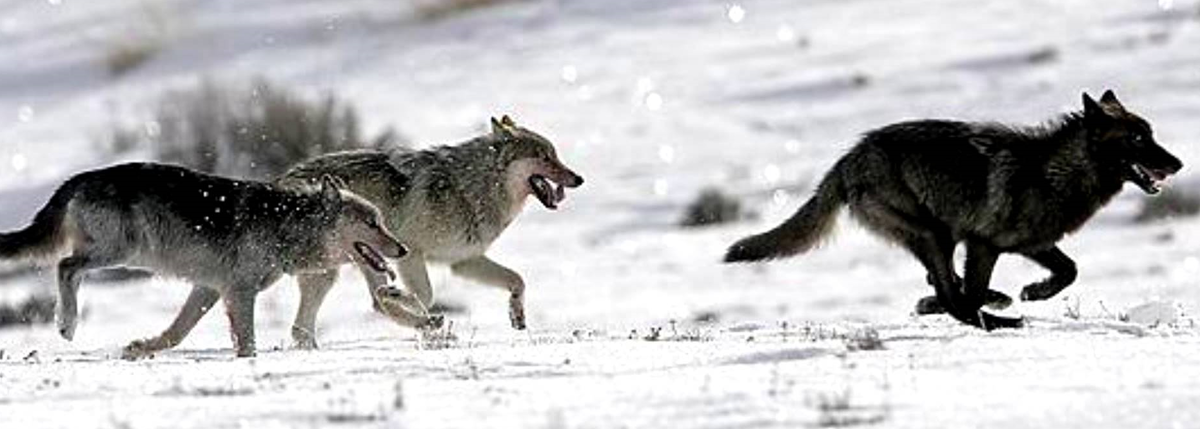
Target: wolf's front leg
[
  {"x": 490, "y": 273},
  {"x": 415, "y": 278},
  {"x": 239, "y": 305},
  {"x": 198, "y": 303},
  {"x": 404, "y": 308},
  {"x": 1062, "y": 274},
  {"x": 313, "y": 288}
]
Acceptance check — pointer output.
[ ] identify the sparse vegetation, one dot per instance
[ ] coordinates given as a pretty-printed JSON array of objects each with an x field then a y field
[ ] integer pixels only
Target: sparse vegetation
[
  {"x": 711, "y": 207},
  {"x": 440, "y": 338},
  {"x": 835, "y": 410},
  {"x": 1046, "y": 54},
  {"x": 856, "y": 339},
  {"x": 673, "y": 333},
  {"x": 34, "y": 310},
  {"x": 434, "y": 10},
  {"x": 1170, "y": 203},
  {"x": 250, "y": 132},
  {"x": 126, "y": 55},
  {"x": 150, "y": 33},
  {"x": 864, "y": 340}
]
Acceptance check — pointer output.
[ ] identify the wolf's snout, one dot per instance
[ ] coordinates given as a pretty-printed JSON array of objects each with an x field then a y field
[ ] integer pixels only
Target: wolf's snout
[
  {"x": 575, "y": 180},
  {"x": 1175, "y": 165}
]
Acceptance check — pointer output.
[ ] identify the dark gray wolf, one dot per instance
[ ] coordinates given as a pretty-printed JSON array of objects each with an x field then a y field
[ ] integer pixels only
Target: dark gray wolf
[
  {"x": 230, "y": 238},
  {"x": 930, "y": 184},
  {"x": 448, "y": 203}
]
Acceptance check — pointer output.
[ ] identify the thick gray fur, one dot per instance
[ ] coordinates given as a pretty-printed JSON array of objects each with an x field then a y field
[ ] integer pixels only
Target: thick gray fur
[
  {"x": 447, "y": 204},
  {"x": 229, "y": 238}
]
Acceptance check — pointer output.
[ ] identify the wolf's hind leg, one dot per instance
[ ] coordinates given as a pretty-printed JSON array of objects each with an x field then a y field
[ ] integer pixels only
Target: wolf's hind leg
[
  {"x": 239, "y": 305},
  {"x": 199, "y": 301},
  {"x": 933, "y": 245},
  {"x": 992, "y": 299},
  {"x": 70, "y": 274},
  {"x": 1062, "y": 274},
  {"x": 313, "y": 288},
  {"x": 977, "y": 275},
  {"x": 490, "y": 273}
]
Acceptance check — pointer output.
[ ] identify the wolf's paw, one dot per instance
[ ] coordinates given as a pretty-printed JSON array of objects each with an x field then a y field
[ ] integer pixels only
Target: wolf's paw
[
  {"x": 1040, "y": 291},
  {"x": 66, "y": 325},
  {"x": 246, "y": 352},
  {"x": 516, "y": 312},
  {"x": 434, "y": 322},
  {"x": 67, "y": 332},
  {"x": 991, "y": 322},
  {"x": 992, "y": 299},
  {"x": 303, "y": 340},
  {"x": 929, "y": 305},
  {"x": 138, "y": 349}
]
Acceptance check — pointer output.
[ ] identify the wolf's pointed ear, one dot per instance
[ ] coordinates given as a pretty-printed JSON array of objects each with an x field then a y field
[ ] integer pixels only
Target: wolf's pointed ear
[
  {"x": 499, "y": 129},
  {"x": 329, "y": 191},
  {"x": 1091, "y": 109},
  {"x": 1109, "y": 100},
  {"x": 507, "y": 122}
]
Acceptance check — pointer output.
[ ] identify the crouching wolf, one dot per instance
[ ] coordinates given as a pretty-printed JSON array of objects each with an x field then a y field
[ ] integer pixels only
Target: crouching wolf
[
  {"x": 930, "y": 184},
  {"x": 230, "y": 238},
  {"x": 449, "y": 203}
]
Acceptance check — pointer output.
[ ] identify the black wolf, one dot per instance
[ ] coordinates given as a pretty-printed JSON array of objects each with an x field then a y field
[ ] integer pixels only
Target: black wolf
[
  {"x": 928, "y": 185},
  {"x": 230, "y": 238}
]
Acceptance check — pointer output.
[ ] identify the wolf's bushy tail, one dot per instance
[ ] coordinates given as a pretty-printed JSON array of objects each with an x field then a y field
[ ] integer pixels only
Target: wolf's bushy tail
[
  {"x": 799, "y": 233},
  {"x": 44, "y": 236}
]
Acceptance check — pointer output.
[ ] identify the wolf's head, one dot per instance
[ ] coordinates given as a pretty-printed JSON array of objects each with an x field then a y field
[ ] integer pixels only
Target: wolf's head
[
  {"x": 1125, "y": 142},
  {"x": 358, "y": 230},
  {"x": 531, "y": 164}
]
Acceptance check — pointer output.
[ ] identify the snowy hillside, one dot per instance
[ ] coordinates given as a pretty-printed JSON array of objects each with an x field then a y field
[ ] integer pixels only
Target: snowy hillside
[{"x": 633, "y": 320}]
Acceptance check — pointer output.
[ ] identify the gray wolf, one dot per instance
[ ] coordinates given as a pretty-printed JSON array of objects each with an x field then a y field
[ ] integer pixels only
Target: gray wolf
[
  {"x": 930, "y": 184},
  {"x": 448, "y": 203},
  {"x": 230, "y": 238}
]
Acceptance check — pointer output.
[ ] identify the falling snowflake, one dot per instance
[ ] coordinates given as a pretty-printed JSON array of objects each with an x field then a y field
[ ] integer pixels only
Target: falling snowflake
[{"x": 735, "y": 13}]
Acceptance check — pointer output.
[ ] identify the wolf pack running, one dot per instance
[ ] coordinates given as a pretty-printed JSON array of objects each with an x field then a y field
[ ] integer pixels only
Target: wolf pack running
[{"x": 927, "y": 185}]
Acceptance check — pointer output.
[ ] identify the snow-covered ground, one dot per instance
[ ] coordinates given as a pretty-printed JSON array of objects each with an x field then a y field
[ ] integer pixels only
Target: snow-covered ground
[{"x": 651, "y": 100}]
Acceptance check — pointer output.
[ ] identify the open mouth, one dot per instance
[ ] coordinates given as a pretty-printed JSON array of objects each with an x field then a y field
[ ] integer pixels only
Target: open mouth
[
  {"x": 1149, "y": 179},
  {"x": 373, "y": 259},
  {"x": 546, "y": 191}
]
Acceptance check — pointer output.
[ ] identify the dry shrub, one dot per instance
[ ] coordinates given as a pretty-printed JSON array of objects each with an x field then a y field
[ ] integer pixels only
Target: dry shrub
[
  {"x": 434, "y": 10},
  {"x": 151, "y": 28},
  {"x": 711, "y": 207},
  {"x": 34, "y": 310},
  {"x": 250, "y": 132},
  {"x": 1171, "y": 203}
]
